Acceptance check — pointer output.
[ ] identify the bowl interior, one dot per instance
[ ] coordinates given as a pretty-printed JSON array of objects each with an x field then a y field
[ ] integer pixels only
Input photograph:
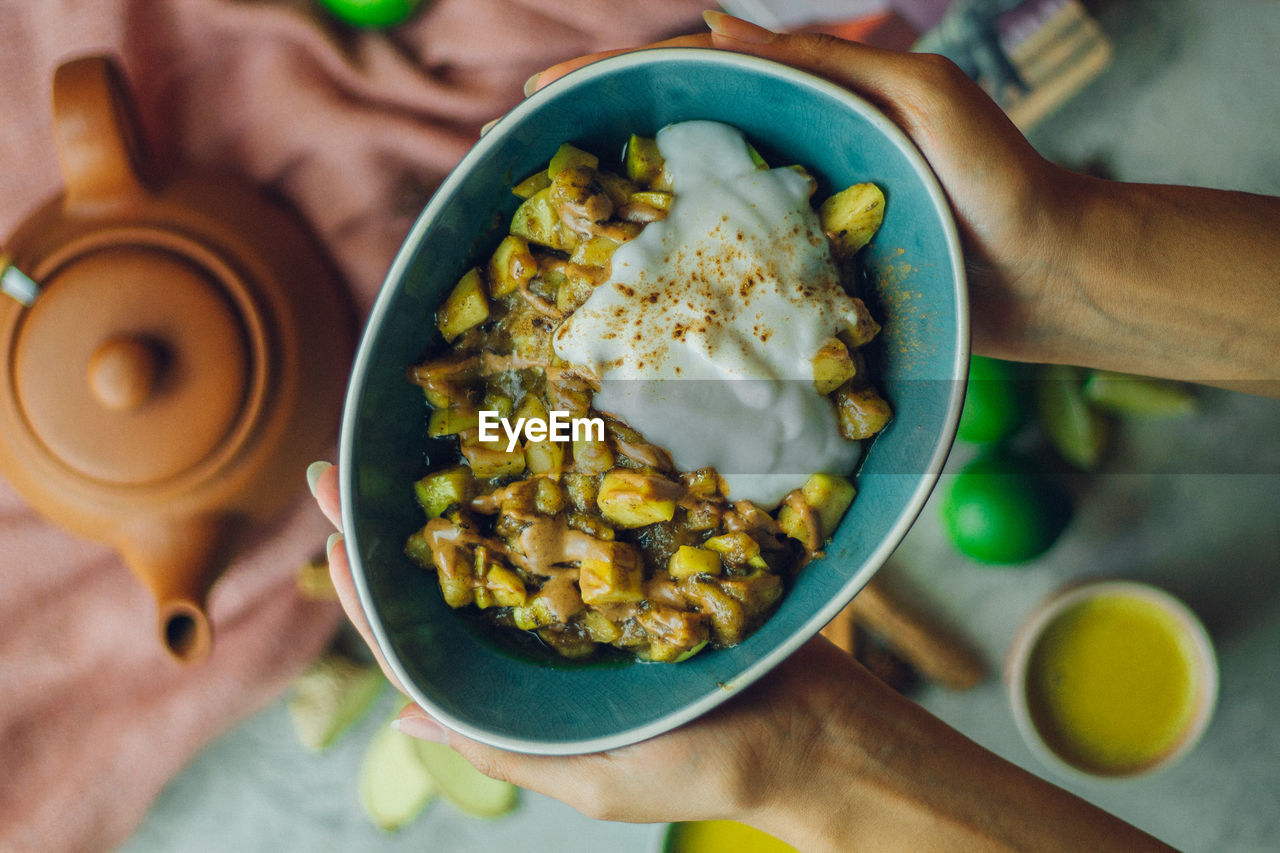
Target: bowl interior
[{"x": 453, "y": 667}]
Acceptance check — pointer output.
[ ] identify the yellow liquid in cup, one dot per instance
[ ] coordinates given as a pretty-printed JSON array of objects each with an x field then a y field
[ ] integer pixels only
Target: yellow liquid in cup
[
  {"x": 722, "y": 836},
  {"x": 1113, "y": 684}
]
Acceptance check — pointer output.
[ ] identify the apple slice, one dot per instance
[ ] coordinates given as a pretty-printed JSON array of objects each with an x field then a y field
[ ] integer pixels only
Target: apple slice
[
  {"x": 330, "y": 696},
  {"x": 463, "y": 785},
  {"x": 394, "y": 783}
]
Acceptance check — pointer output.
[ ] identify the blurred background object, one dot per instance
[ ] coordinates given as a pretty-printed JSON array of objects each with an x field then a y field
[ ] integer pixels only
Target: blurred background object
[{"x": 1031, "y": 55}]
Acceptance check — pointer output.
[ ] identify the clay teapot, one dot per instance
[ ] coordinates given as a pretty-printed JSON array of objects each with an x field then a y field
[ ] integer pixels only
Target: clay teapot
[{"x": 180, "y": 357}]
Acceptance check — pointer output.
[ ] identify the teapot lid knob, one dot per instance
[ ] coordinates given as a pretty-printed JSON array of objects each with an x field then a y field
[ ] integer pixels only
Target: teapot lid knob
[{"x": 123, "y": 373}]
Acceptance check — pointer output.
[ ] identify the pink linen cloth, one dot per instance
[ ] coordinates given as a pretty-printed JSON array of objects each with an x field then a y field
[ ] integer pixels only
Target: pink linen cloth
[{"x": 354, "y": 130}]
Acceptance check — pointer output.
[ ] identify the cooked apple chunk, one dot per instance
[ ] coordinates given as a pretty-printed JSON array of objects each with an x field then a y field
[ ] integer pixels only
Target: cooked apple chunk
[{"x": 634, "y": 499}]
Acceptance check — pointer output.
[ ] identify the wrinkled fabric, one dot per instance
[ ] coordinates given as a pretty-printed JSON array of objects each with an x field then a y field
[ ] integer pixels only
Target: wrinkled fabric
[{"x": 353, "y": 130}]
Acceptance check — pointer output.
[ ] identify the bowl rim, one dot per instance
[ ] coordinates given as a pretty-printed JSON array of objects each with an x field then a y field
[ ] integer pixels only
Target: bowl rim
[
  {"x": 878, "y": 555},
  {"x": 1033, "y": 628}
]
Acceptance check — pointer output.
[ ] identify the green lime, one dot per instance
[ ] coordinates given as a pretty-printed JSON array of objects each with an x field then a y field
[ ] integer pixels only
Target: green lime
[
  {"x": 1137, "y": 396},
  {"x": 993, "y": 405},
  {"x": 1077, "y": 431},
  {"x": 1004, "y": 509},
  {"x": 371, "y": 14}
]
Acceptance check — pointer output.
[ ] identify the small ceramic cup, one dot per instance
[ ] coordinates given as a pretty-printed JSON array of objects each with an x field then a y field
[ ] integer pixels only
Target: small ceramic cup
[{"x": 1192, "y": 639}]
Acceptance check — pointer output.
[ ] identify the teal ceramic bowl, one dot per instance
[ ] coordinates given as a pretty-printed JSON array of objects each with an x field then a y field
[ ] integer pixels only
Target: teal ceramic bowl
[{"x": 453, "y": 667}]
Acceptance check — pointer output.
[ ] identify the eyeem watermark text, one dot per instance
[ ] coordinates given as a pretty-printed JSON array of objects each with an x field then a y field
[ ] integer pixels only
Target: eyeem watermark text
[{"x": 558, "y": 427}]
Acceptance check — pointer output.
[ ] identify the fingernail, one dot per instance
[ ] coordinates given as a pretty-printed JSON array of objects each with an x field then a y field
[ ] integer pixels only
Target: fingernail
[
  {"x": 314, "y": 470},
  {"x": 531, "y": 85},
  {"x": 736, "y": 28},
  {"x": 423, "y": 728},
  {"x": 487, "y": 127},
  {"x": 334, "y": 539}
]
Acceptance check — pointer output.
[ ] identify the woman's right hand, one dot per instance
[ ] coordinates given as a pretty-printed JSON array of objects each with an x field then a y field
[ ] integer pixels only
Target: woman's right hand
[
  {"x": 1011, "y": 204},
  {"x": 1063, "y": 268}
]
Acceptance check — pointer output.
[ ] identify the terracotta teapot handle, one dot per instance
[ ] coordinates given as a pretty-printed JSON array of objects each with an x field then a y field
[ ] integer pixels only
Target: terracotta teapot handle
[
  {"x": 178, "y": 559},
  {"x": 96, "y": 131}
]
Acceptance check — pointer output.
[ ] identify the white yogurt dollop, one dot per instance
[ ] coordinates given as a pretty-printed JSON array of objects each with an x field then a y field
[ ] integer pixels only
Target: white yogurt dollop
[{"x": 703, "y": 336}]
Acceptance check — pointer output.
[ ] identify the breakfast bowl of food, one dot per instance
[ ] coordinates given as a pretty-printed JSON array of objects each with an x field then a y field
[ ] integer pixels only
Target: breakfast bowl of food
[{"x": 662, "y": 375}]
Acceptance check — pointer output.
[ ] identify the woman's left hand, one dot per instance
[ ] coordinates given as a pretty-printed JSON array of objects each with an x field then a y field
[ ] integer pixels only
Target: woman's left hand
[{"x": 746, "y": 760}]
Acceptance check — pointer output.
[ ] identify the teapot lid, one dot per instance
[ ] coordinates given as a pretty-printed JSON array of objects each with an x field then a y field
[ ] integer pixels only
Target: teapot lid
[{"x": 136, "y": 363}]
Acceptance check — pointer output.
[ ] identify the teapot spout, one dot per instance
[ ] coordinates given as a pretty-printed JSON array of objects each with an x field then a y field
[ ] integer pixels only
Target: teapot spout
[{"x": 178, "y": 559}]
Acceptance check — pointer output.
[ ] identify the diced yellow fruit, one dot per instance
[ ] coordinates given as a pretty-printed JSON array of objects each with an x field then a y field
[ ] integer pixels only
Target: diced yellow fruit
[
  {"x": 642, "y": 160},
  {"x": 595, "y": 252},
  {"x": 702, "y": 483},
  {"x": 451, "y": 421},
  {"x": 550, "y": 278},
  {"x": 592, "y": 457},
  {"x": 832, "y": 366},
  {"x": 704, "y": 517},
  {"x": 591, "y": 524},
  {"x": 599, "y": 627},
  {"x": 440, "y": 490},
  {"x": 417, "y": 549},
  {"x": 688, "y": 653},
  {"x": 511, "y": 266},
  {"x": 437, "y": 377},
  {"x": 860, "y": 412},
  {"x": 567, "y": 156},
  {"x": 531, "y": 406},
  {"x": 614, "y": 581},
  {"x": 466, "y": 307},
  {"x": 533, "y": 615},
  {"x": 581, "y": 201},
  {"x": 505, "y": 585},
  {"x": 536, "y": 220},
  {"x": 457, "y": 589},
  {"x": 653, "y": 198},
  {"x": 830, "y": 496},
  {"x": 500, "y": 403},
  {"x": 737, "y": 548},
  {"x": 569, "y": 395},
  {"x": 804, "y": 173},
  {"x": 756, "y": 592},
  {"x": 530, "y": 185},
  {"x": 582, "y": 490},
  {"x": 491, "y": 459},
  {"x": 544, "y": 458},
  {"x": 549, "y": 498},
  {"x": 793, "y": 524},
  {"x": 573, "y": 292},
  {"x": 617, "y": 187},
  {"x": 435, "y": 398},
  {"x": 634, "y": 499},
  {"x": 861, "y": 328},
  {"x": 688, "y": 561},
  {"x": 852, "y": 216},
  {"x": 728, "y": 620},
  {"x": 672, "y": 632}
]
